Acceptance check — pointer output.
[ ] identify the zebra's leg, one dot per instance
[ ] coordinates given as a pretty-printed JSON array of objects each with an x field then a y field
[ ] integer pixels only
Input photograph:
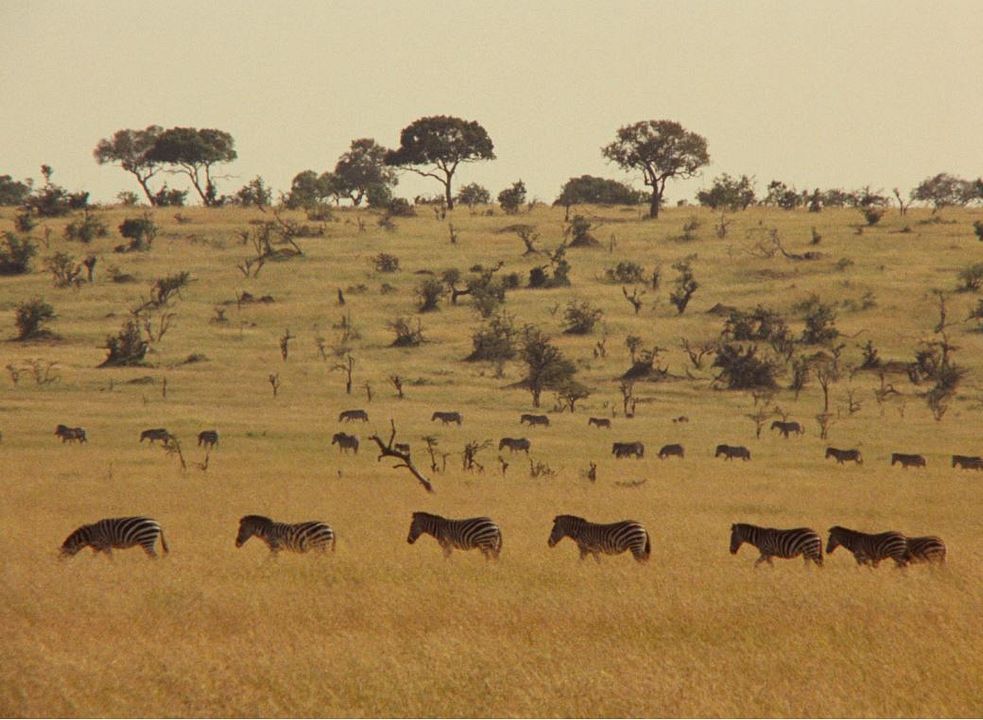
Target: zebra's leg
[
  {"x": 149, "y": 549},
  {"x": 763, "y": 558},
  {"x": 447, "y": 549}
]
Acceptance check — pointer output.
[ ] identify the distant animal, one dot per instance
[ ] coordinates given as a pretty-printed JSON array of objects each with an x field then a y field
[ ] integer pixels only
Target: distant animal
[
  {"x": 70, "y": 434},
  {"x": 733, "y": 451},
  {"x": 599, "y": 422},
  {"x": 773, "y": 542},
  {"x": 594, "y": 539},
  {"x": 870, "y": 549},
  {"x": 929, "y": 548},
  {"x": 208, "y": 438},
  {"x": 350, "y": 415},
  {"x": 299, "y": 537},
  {"x": 624, "y": 449},
  {"x": 907, "y": 460},
  {"x": 345, "y": 442},
  {"x": 120, "y": 533},
  {"x": 515, "y": 444},
  {"x": 968, "y": 462},
  {"x": 534, "y": 420},
  {"x": 155, "y": 434},
  {"x": 480, "y": 532},
  {"x": 402, "y": 447},
  {"x": 843, "y": 455},
  {"x": 447, "y": 417},
  {"x": 787, "y": 427},
  {"x": 670, "y": 450},
  {"x": 681, "y": 419}
]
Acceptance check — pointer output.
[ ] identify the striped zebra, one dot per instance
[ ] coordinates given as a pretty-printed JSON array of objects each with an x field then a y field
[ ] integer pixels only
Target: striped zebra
[
  {"x": 120, "y": 533},
  {"x": 870, "y": 549},
  {"x": 479, "y": 532},
  {"x": 299, "y": 537},
  {"x": 611, "y": 539},
  {"x": 929, "y": 549},
  {"x": 773, "y": 542}
]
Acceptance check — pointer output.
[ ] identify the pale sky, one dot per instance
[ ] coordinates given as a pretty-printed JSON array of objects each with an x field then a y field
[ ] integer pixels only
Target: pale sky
[{"x": 827, "y": 94}]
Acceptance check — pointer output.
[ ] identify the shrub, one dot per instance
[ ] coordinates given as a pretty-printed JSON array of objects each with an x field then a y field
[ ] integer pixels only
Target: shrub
[
  {"x": 473, "y": 194},
  {"x": 819, "y": 329},
  {"x": 742, "y": 369},
  {"x": 590, "y": 189},
  {"x": 16, "y": 254},
  {"x": 254, "y": 193},
  {"x": 140, "y": 232},
  {"x": 168, "y": 197},
  {"x": 872, "y": 214},
  {"x": 686, "y": 285},
  {"x": 127, "y": 198},
  {"x": 400, "y": 207},
  {"x": 127, "y": 347},
  {"x": 495, "y": 340},
  {"x": 384, "y": 262},
  {"x": 406, "y": 334},
  {"x": 429, "y": 293},
  {"x": 65, "y": 270},
  {"x": 728, "y": 192},
  {"x": 511, "y": 199},
  {"x": 86, "y": 229},
  {"x": 978, "y": 229},
  {"x": 30, "y": 317},
  {"x": 53, "y": 200},
  {"x": 626, "y": 272},
  {"x": 580, "y": 228},
  {"x": 581, "y": 317},
  {"x": 13, "y": 192},
  {"x": 971, "y": 278}
]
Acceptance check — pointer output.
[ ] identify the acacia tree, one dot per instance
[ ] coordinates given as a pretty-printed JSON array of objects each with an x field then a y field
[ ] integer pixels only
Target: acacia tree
[
  {"x": 943, "y": 190},
  {"x": 362, "y": 170},
  {"x": 193, "y": 152},
  {"x": 308, "y": 190},
  {"x": 435, "y": 146},
  {"x": 660, "y": 149},
  {"x": 547, "y": 369},
  {"x": 132, "y": 150}
]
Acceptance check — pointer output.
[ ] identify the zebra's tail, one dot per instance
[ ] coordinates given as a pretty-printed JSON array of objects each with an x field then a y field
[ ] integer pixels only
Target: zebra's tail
[{"x": 163, "y": 543}]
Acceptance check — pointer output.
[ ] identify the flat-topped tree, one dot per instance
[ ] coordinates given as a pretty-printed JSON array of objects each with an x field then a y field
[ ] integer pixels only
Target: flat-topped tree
[
  {"x": 193, "y": 152},
  {"x": 660, "y": 149},
  {"x": 132, "y": 150},
  {"x": 435, "y": 146}
]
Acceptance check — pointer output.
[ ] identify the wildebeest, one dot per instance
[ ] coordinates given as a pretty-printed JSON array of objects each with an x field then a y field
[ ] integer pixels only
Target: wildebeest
[
  {"x": 907, "y": 460},
  {"x": 70, "y": 434},
  {"x": 350, "y": 415},
  {"x": 447, "y": 417},
  {"x": 669, "y": 450},
  {"x": 345, "y": 442},
  {"x": 208, "y": 438},
  {"x": 621, "y": 450},
  {"x": 844, "y": 455},
  {"x": 787, "y": 427},
  {"x": 732, "y": 451},
  {"x": 155, "y": 434},
  {"x": 534, "y": 420},
  {"x": 515, "y": 444},
  {"x": 599, "y": 422},
  {"x": 968, "y": 462}
]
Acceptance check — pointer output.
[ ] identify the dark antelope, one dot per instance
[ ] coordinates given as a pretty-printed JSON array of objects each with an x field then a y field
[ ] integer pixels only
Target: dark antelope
[
  {"x": 447, "y": 417},
  {"x": 70, "y": 434},
  {"x": 345, "y": 442},
  {"x": 733, "y": 451},
  {"x": 534, "y": 420},
  {"x": 907, "y": 461},
  {"x": 622, "y": 450},
  {"x": 787, "y": 427},
  {"x": 208, "y": 438},
  {"x": 843, "y": 455},
  {"x": 155, "y": 434},
  {"x": 967, "y": 462},
  {"x": 515, "y": 444},
  {"x": 599, "y": 422},
  {"x": 350, "y": 415},
  {"x": 671, "y": 450}
]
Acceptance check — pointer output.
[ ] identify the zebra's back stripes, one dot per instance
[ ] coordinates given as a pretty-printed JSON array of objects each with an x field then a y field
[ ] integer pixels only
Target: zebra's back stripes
[
  {"x": 297, "y": 537},
  {"x": 480, "y": 532},
  {"x": 870, "y": 548},
  {"x": 774, "y": 542},
  {"x": 594, "y": 538},
  {"x": 120, "y": 533}
]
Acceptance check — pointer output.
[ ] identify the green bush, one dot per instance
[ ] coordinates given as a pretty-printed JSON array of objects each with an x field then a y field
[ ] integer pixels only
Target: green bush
[{"x": 30, "y": 317}]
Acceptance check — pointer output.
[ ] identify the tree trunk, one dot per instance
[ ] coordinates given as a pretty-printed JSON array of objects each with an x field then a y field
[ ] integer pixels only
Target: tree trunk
[
  {"x": 146, "y": 189},
  {"x": 655, "y": 202},
  {"x": 535, "y": 396},
  {"x": 447, "y": 194}
]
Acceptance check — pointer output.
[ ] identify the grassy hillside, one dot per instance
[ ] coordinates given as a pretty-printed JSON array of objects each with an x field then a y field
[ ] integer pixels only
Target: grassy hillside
[{"x": 384, "y": 628}]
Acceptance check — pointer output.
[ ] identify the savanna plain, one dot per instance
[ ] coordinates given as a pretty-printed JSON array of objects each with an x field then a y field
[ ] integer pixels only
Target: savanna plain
[{"x": 383, "y": 628}]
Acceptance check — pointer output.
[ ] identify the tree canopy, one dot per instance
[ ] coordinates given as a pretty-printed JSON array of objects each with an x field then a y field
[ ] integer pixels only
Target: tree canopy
[
  {"x": 728, "y": 192},
  {"x": 362, "y": 170},
  {"x": 598, "y": 191},
  {"x": 944, "y": 190},
  {"x": 660, "y": 149},
  {"x": 132, "y": 150},
  {"x": 435, "y": 146},
  {"x": 193, "y": 152}
]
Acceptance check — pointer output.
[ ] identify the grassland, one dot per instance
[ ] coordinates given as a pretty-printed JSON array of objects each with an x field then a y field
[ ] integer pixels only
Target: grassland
[{"x": 384, "y": 628}]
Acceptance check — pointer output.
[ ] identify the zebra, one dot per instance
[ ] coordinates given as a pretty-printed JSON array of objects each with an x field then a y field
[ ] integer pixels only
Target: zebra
[
  {"x": 447, "y": 417},
  {"x": 669, "y": 450},
  {"x": 773, "y": 542},
  {"x": 732, "y": 451},
  {"x": 625, "y": 449},
  {"x": 599, "y": 422},
  {"x": 208, "y": 438},
  {"x": 121, "y": 533},
  {"x": 787, "y": 427},
  {"x": 468, "y": 534},
  {"x": 968, "y": 462},
  {"x": 870, "y": 549},
  {"x": 610, "y": 539},
  {"x": 350, "y": 415},
  {"x": 515, "y": 444},
  {"x": 844, "y": 455},
  {"x": 534, "y": 419},
  {"x": 345, "y": 442},
  {"x": 907, "y": 460},
  {"x": 299, "y": 537},
  {"x": 70, "y": 434},
  {"x": 155, "y": 434},
  {"x": 929, "y": 548}
]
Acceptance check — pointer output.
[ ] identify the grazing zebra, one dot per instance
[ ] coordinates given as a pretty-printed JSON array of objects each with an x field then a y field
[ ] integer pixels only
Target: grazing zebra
[
  {"x": 621, "y": 450},
  {"x": 299, "y": 537},
  {"x": 732, "y": 451},
  {"x": 534, "y": 420},
  {"x": 787, "y": 427},
  {"x": 345, "y": 442},
  {"x": 930, "y": 549},
  {"x": 870, "y": 549},
  {"x": 844, "y": 455},
  {"x": 350, "y": 415},
  {"x": 121, "y": 533},
  {"x": 155, "y": 434},
  {"x": 515, "y": 444},
  {"x": 479, "y": 532},
  {"x": 447, "y": 417},
  {"x": 907, "y": 460},
  {"x": 772, "y": 542},
  {"x": 968, "y": 462},
  {"x": 670, "y": 450},
  {"x": 208, "y": 438},
  {"x": 611, "y": 539},
  {"x": 599, "y": 422},
  {"x": 70, "y": 434}
]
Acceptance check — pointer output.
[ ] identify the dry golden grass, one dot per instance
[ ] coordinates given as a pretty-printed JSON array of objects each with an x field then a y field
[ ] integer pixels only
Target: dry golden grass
[{"x": 384, "y": 628}]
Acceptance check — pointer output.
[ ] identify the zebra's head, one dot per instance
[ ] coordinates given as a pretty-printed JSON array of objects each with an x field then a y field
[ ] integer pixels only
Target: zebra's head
[
  {"x": 251, "y": 525},
  {"x": 73, "y": 543},
  {"x": 834, "y": 539},
  {"x": 562, "y": 526},
  {"x": 736, "y": 538},
  {"x": 418, "y": 526}
]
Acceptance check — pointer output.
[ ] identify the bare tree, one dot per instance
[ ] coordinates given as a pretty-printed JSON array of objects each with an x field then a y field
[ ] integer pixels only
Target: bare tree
[
  {"x": 387, "y": 450},
  {"x": 275, "y": 382},
  {"x": 285, "y": 344},
  {"x": 635, "y": 299},
  {"x": 347, "y": 367}
]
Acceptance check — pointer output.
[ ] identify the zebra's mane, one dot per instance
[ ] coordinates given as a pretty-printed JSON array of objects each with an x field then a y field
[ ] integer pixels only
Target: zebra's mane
[
  {"x": 256, "y": 519},
  {"x": 421, "y": 515},
  {"x": 558, "y": 518}
]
